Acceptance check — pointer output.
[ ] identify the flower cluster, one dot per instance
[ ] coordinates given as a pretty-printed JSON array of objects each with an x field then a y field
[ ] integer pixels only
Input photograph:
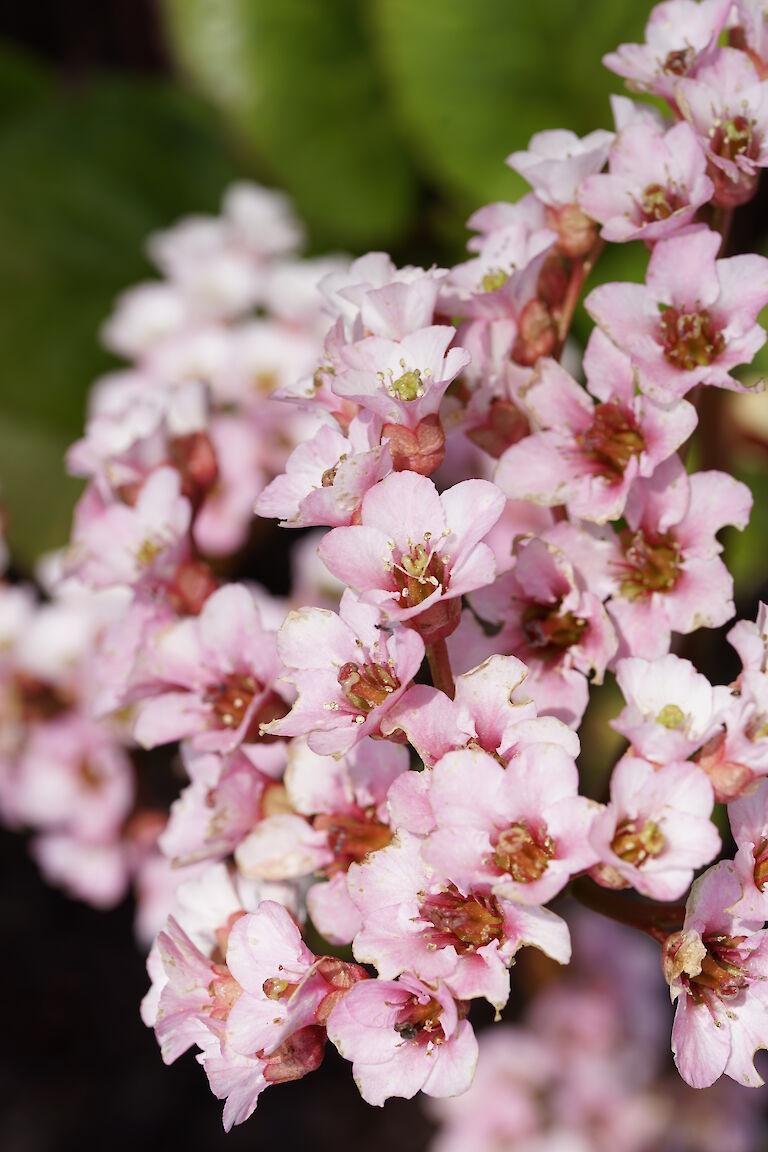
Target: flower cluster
[{"x": 383, "y": 798}]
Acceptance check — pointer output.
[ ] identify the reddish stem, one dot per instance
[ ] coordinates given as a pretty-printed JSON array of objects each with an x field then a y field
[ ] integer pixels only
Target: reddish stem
[
  {"x": 580, "y": 272},
  {"x": 656, "y": 920},
  {"x": 440, "y": 667}
]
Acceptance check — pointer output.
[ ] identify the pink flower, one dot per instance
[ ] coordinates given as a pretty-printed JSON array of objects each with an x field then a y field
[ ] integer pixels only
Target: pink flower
[
  {"x": 716, "y": 968},
  {"x": 583, "y": 454},
  {"x": 327, "y": 477},
  {"x": 666, "y": 571},
  {"x": 374, "y": 297},
  {"x": 748, "y": 816},
  {"x": 118, "y": 544},
  {"x": 726, "y": 104},
  {"x": 738, "y": 755},
  {"x": 413, "y": 920},
  {"x": 223, "y": 521},
  {"x": 221, "y": 804},
  {"x": 671, "y": 708},
  {"x": 560, "y": 630},
  {"x": 557, "y": 161},
  {"x": 656, "y": 830},
  {"x": 491, "y": 710},
  {"x": 693, "y": 320},
  {"x": 680, "y": 36},
  {"x": 401, "y": 381},
  {"x": 501, "y": 279},
  {"x": 518, "y": 832},
  {"x": 655, "y": 184},
  {"x": 751, "y": 32},
  {"x": 197, "y": 995},
  {"x": 347, "y": 671},
  {"x": 403, "y": 1037},
  {"x": 554, "y": 165},
  {"x": 750, "y": 639},
  {"x": 96, "y": 871},
  {"x": 415, "y": 553},
  {"x": 71, "y": 775},
  {"x": 347, "y": 799},
  {"x": 281, "y": 990},
  {"x": 209, "y": 677}
]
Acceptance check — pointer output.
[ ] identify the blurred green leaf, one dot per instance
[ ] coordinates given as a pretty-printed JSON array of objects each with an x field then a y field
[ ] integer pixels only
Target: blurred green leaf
[
  {"x": 296, "y": 81},
  {"x": 473, "y": 81},
  {"x": 745, "y": 552},
  {"x": 22, "y": 80},
  {"x": 87, "y": 174},
  {"x": 39, "y": 497}
]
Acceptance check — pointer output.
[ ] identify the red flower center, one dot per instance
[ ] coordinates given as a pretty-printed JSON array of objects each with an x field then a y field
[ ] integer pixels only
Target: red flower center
[
  {"x": 612, "y": 439},
  {"x": 650, "y": 564}
]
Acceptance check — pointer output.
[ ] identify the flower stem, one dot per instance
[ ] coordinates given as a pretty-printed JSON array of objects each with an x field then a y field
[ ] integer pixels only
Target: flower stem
[
  {"x": 579, "y": 274},
  {"x": 656, "y": 920},
  {"x": 440, "y": 667}
]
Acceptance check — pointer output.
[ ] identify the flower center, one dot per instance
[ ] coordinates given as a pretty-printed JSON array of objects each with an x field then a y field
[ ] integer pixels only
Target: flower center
[
  {"x": 612, "y": 439},
  {"x": 671, "y": 717},
  {"x": 466, "y": 922},
  {"x": 658, "y": 202},
  {"x": 419, "y": 572},
  {"x": 366, "y": 685},
  {"x": 734, "y": 137},
  {"x": 649, "y": 565},
  {"x": 231, "y": 699},
  {"x": 636, "y": 841},
  {"x": 421, "y": 1022},
  {"x": 690, "y": 339},
  {"x": 37, "y": 699},
  {"x": 722, "y": 970},
  {"x": 549, "y": 631},
  {"x": 408, "y": 386},
  {"x": 494, "y": 280},
  {"x": 352, "y": 838},
  {"x": 679, "y": 61},
  {"x": 522, "y": 854},
  {"x": 761, "y": 865}
]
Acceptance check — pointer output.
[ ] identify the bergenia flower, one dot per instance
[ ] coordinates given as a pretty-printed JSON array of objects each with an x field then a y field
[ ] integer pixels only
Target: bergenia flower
[
  {"x": 347, "y": 671},
  {"x": 518, "y": 832},
  {"x": 671, "y": 709},
  {"x": 414, "y": 920},
  {"x": 326, "y": 478},
  {"x": 491, "y": 710},
  {"x": 693, "y": 320},
  {"x": 583, "y": 454},
  {"x": 680, "y": 36},
  {"x": 666, "y": 568},
  {"x": 401, "y": 381},
  {"x": 210, "y": 677},
  {"x": 726, "y": 104},
  {"x": 716, "y": 968},
  {"x": 656, "y": 182},
  {"x": 414, "y": 552},
  {"x": 403, "y": 1037},
  {"x": 559, "y": 629},
  {"x": 748, "y": 816},
  {"x": 656, "y": 830},
  {"x": 115, "y": 543}
]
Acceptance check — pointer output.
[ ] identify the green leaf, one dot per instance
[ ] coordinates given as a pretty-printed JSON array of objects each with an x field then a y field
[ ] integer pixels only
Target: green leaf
[
  {"x": 295, "y": 80},
  {"x": 35, "y": 495},
  {"x": 473, "y": 81}
]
